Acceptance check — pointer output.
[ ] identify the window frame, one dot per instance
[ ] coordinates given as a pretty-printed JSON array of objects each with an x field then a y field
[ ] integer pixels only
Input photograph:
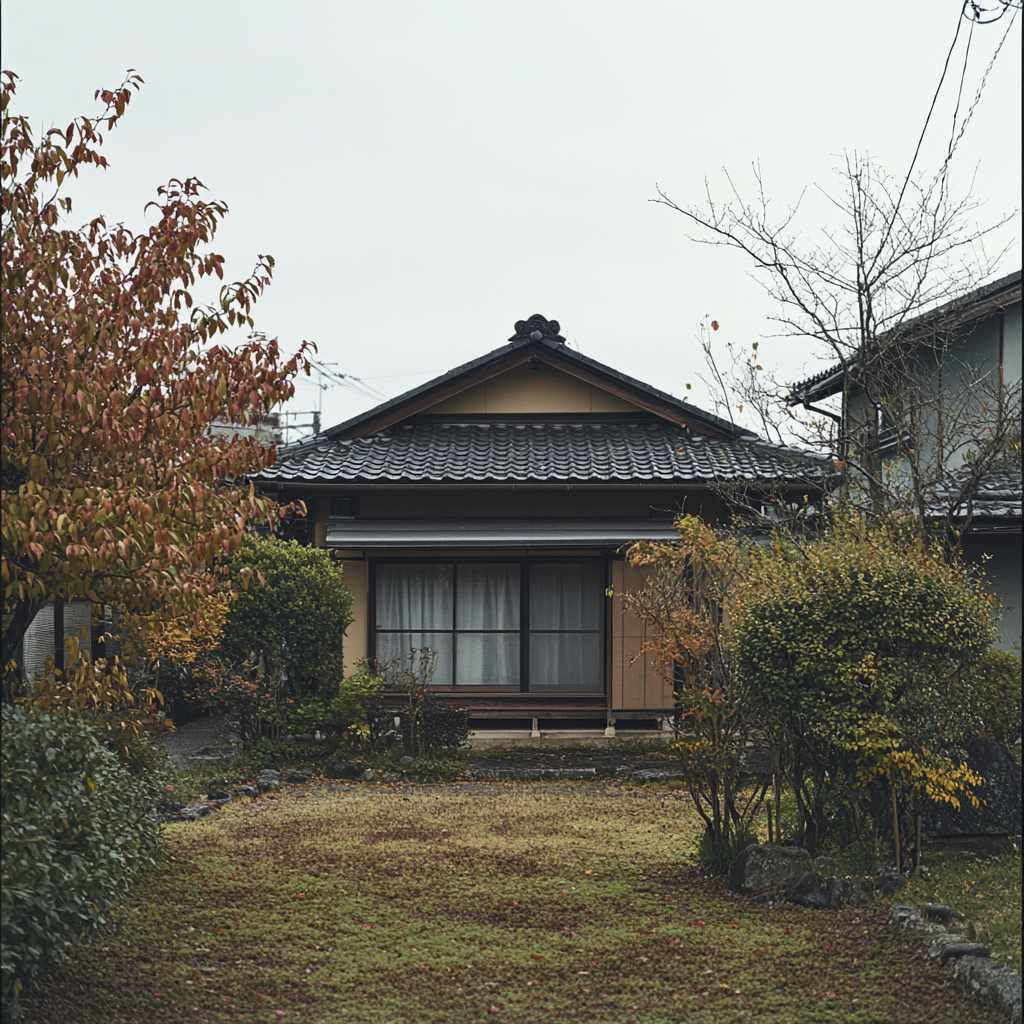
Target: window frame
[{"x": 524, "y": 631}]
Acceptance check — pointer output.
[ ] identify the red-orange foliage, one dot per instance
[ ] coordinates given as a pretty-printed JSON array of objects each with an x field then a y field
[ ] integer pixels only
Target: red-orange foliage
[{"x": 113, "y": 488}]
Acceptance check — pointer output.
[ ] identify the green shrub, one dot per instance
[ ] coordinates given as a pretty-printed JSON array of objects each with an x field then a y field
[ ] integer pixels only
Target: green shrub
[
  {"x": 446, "y": 769},
  {"x": 144, "y": 759},
  {"x": 292, "y": 614},
  {"x": 444, "y": 728},
  {"x": 997, "y": 691},
  {"x": 716, "y": 852},
  {"x": 77, "y": 825},
  {"x": 856, "y": 653},
  {"x": 344, "y": 711}
]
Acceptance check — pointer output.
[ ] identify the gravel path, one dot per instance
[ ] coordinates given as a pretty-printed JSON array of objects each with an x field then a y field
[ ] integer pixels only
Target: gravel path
[{"x": 218, "y": 730}]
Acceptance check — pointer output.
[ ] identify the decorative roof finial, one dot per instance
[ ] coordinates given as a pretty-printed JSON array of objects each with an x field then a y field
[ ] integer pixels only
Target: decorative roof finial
[{"x": 537, "y": 328}]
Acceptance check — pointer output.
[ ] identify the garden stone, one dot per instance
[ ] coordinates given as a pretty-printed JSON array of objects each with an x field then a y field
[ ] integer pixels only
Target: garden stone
[
  {"x": 901, "y": 914},
  {"x": 407, "y": 760},
  {"x": 955, "y": 950},
  {"x": 811, "y": 890},
  {"x": 270, "y": 773},
  {"x": 763, "y": 866},
  {"x": 266, "y": 785},
  {"x": 890, "y": 881},
  {"x": 343, "y": 770},
  {"x": 296, "y": 777},
  {"x": 202, "y": 810},
  {"x": 391, "y": 777},
  {"x": 998, "y": 816},
  {"x": 827, "y": 864},
  {"x": 937, "y": 912},
  {"x": 926, "y": 930},
  {"x": 369, "y": 775},
  {"x": 507, "y": 774},
  {"x": 645, "y": 775},
  {"x": 218, "y": 794},
  {"x": 857, "y": 891},
  {"x": 569, "y": 773},
  {"x": 220, "y": 801},
  {"x": 249, "y": 791},
  {"x": 994, "y": 981},
  {"x": 171, "y": 806}
]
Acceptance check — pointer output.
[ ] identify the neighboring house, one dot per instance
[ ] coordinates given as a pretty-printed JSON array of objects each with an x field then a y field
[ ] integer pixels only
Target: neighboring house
[
  {"x": 947, "y": 383},
  {"x": 267, "y": 430},
  {"x": 50, "y": 632},
  {"x": 483, "y": 516}
]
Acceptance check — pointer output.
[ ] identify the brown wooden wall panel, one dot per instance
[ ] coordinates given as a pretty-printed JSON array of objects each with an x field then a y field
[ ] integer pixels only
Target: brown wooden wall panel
[{"x": 636, "y": 686}]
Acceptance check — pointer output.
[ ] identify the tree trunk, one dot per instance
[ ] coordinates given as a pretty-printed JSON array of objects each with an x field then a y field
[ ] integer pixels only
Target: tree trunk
[
  {"x": 896, "y": 830},
  {"x": 14, "y": 632},
  {"x": 917, "y": 845}
]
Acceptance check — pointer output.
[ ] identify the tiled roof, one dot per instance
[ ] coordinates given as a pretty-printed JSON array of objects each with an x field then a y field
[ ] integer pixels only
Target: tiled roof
[
  {"x": 997, "y": 496},
  {"x": 438, "y": 452},
  {"x": 960, "y": 310}
]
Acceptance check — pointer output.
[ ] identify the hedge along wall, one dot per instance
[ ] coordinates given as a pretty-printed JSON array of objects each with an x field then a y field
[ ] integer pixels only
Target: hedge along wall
[{"x": 76, "y": 825}]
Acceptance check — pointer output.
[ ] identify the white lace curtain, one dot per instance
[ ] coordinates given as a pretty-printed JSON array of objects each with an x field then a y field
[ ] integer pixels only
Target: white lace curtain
[{"x": 469, "y": 614}]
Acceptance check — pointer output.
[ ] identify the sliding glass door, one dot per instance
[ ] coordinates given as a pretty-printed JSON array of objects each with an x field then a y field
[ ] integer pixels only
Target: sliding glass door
[
  {"x": 514, "y": 625},
  {"x": 565, "y": 626}
]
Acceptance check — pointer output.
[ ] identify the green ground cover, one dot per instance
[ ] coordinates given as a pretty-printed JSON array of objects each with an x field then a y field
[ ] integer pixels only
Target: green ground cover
[
  {"x": 984, "y": 894},
  {"x": 478, "y": 903}
]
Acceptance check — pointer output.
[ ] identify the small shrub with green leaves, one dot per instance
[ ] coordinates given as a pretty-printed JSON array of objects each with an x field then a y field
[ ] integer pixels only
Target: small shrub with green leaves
[
  {"x": 343, "y": 712},
  {"x": 445, "y": 768},
  {"x": 997, "y": 690},
  {"x": 144, "y": 759},
  {"x": 77, "y": 825},
  {"x": 444, "y": 728},
  {"x": 294, "y": 620}
]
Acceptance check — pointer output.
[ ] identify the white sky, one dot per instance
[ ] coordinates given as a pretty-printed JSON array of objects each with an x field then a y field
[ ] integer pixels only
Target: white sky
[{"x": 427, "y": 173}]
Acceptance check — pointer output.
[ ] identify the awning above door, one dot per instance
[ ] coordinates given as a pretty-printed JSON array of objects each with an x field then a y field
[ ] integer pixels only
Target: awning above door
[{"x": 478, "y": 533}]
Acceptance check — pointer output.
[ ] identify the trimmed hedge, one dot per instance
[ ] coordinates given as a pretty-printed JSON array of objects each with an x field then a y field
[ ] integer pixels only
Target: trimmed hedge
[
  {"x": 997, "y": 690},
  {"x": 77, "y": 826}
]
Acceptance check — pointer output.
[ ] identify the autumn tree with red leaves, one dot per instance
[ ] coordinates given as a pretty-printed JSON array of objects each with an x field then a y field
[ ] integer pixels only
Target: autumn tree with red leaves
[{"x": 113, "y": 488}]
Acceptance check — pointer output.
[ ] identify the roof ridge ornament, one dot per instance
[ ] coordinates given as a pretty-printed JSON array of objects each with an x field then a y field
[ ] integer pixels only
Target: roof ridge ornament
[{"x": 536, "y": 328}]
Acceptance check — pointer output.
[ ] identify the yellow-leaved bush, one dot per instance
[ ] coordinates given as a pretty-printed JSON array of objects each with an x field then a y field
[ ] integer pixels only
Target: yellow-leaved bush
[{"x": 858, "y": 649}]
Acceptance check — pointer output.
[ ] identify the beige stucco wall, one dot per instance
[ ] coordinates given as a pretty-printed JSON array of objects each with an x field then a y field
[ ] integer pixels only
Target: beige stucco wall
[
  {"x": 636, "y": 685},
  {"x": 355, "y": 636},
  {"x": 522, "y": 389}
]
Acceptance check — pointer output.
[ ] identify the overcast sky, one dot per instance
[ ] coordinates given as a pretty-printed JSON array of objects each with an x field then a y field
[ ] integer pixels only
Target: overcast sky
[{"x": 427, "y": 173}]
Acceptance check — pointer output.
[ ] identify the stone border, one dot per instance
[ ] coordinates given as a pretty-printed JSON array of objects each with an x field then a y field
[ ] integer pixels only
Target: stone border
[
  {"x": 969, "y": 961},
  {"x": 269, "y": 780}
]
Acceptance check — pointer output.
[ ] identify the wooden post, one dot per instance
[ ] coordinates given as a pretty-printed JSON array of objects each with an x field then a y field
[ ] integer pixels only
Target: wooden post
[
  {"x": 896, "y": 830},
  {"x": 58, "y": 637},
  {"x": 917, "y": 845}
]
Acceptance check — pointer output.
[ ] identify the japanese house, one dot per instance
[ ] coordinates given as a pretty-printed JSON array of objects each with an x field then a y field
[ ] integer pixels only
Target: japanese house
[{"x": 484, "y": 515}]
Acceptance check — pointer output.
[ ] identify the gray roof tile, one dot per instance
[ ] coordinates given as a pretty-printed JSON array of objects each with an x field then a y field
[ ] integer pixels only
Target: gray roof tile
[{"x": 491, "y": 452}]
